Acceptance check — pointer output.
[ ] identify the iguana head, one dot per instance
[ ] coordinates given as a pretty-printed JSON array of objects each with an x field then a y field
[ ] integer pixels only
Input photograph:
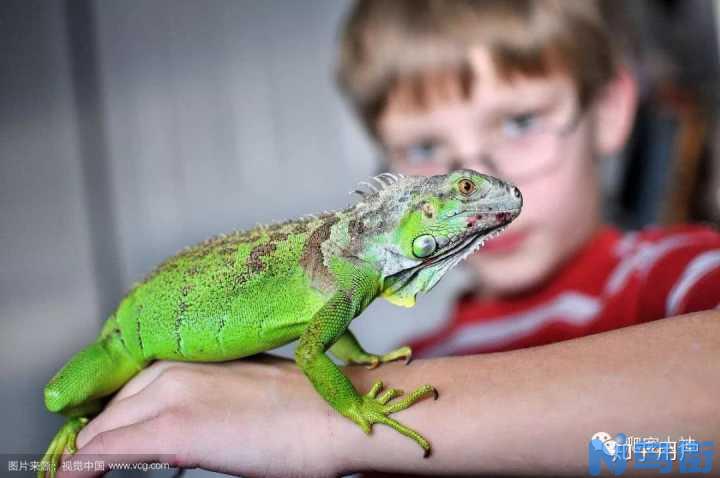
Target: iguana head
[{"x": 417, "y": 228}]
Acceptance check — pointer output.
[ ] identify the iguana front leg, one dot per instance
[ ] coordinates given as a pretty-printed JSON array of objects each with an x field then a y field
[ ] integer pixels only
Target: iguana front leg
[
  {"x": 326, "y": 327},
  {"x": 348, "y": 349}
]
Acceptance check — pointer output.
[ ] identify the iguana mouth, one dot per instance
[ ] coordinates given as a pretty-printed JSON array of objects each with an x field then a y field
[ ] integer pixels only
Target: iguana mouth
[{"x": 471, "y": 243}]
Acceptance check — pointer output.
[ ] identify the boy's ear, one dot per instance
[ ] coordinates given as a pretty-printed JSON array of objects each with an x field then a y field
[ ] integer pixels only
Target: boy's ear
[{"x": 614, "y": 112}]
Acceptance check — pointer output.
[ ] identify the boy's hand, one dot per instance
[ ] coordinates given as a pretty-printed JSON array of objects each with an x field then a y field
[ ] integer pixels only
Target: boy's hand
[{"x": 230, "y": 417}]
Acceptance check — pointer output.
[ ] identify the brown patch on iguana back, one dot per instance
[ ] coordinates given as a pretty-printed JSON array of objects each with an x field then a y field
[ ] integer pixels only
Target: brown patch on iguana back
[
  {"x": 300, "y": 228},
  {"x": 327, "y": 215},
  {"x": 254, "y": 259},
  {"x": 356, "y": 229},
  {"x": 222, "y": 244},
  {"x": 225, "y": 246},
  {"x": 278, "y": 236},
  {"x": 312, "y": 260}
]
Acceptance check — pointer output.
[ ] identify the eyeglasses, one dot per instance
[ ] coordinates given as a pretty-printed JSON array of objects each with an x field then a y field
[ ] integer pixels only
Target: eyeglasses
[{"x": 518, "y": 147}]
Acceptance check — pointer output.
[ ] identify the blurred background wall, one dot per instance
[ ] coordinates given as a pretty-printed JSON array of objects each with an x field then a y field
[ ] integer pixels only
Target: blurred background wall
[{"x": 131, "y": 129}]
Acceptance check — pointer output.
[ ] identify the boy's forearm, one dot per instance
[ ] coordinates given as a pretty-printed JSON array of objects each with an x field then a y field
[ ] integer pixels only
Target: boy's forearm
[{"x": 534, "y": 410}]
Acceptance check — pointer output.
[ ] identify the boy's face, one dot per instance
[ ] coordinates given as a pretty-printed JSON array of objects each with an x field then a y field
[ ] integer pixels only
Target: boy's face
[{"x": 529, "y": 131}]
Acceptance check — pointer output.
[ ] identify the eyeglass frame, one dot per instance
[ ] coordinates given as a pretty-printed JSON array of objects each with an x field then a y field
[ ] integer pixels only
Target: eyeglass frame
[{"x": 485, "y": 158}]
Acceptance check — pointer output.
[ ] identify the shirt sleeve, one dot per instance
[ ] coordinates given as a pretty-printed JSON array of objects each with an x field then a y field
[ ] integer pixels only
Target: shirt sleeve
[{"x": 686, "y": 279}]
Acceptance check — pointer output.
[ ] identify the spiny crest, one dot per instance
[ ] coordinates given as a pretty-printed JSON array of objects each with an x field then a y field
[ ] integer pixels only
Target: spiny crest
[
  {"x": 383, "y": 180},
  {"x": 314, "y": 217},
  {"x": 305, "y": 218}
]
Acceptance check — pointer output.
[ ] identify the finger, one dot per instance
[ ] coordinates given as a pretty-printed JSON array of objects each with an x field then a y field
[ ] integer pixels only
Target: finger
[
  {"x": 150, "y": 441},
  {"x": 264, "y": 358},
  {"x": 136, "y": 408},
  {"x": 145, "y": 378}
]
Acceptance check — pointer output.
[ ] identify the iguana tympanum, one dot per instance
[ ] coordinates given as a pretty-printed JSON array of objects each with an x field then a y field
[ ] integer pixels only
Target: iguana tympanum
[{"x": 247, "y": 292}]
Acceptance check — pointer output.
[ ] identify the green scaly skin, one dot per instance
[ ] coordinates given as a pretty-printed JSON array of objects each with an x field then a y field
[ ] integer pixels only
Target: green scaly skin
[{"x": 248, "y": 292}]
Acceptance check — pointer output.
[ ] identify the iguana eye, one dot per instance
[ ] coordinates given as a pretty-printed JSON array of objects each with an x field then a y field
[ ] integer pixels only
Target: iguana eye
[
  {"x": 466, "y": 187},
  {"x": 424, "y": 245}
]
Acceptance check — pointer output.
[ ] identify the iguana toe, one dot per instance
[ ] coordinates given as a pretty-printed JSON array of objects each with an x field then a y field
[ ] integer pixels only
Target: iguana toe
[{"x": 399, "y": 353}]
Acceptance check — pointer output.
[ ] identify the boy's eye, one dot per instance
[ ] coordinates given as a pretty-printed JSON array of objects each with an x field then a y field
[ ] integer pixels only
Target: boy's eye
[
  {"x": 517, "y": 125},
  {"x": 421, "y": 152}
]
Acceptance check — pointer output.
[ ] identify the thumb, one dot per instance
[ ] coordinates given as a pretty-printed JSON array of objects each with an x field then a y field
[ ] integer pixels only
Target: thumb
[{"x": 141, "y": 446}]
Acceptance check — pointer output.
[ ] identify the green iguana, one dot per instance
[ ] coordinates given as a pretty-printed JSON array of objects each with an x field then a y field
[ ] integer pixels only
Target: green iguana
[{"x": 240, "y": 294}]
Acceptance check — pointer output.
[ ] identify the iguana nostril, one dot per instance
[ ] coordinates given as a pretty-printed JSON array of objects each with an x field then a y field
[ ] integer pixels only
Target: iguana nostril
[{"x": 517, "y": 194}]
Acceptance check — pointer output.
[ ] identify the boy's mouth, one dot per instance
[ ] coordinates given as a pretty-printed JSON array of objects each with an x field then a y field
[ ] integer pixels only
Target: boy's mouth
[{"x": 506, "y": 243}]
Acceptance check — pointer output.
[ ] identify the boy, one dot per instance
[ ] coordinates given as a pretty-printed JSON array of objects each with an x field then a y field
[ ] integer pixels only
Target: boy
[{"x": 530, "y": 91}]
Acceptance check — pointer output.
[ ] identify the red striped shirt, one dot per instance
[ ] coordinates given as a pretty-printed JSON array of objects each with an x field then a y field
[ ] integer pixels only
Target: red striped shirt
[{"x": 617, "y": 279}]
